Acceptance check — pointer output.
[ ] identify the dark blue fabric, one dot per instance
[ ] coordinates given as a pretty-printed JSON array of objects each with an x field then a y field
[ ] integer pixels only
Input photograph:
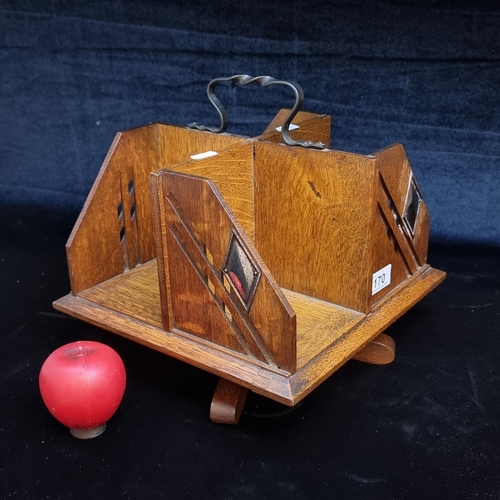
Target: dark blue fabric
[
  {"x": 425, "y": 74},
  {"x": 425, "y": 427}
]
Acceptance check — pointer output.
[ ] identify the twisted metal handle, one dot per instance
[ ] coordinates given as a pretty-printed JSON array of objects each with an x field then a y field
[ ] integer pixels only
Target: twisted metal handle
[{"x": 263, "y": 81}]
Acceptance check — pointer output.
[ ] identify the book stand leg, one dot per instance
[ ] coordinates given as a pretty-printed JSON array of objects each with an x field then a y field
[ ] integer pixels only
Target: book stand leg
[
  {"x": 380, "y": 351},
  {"x": 227, "y": 403}
]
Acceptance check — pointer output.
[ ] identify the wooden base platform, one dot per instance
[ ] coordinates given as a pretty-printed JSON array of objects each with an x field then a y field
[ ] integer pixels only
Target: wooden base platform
[{"x": 327, "y": 335}]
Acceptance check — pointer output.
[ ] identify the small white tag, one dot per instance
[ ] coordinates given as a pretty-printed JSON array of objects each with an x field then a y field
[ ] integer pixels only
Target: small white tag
[
  {"x": 291, "y": 127},
  {"x": 206, "y": 154},
  {"x": 381, "y": 279}
]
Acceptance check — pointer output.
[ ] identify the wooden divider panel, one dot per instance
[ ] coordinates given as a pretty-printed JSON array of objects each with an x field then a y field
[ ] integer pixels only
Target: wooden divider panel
[
  {"x": 313, "y": 216},
  {"x": 213, "y": 282}
]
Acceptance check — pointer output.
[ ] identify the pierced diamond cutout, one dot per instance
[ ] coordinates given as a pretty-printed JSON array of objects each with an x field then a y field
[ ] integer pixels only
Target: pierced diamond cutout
[
  {"x": 412, "y": 206},
  {"x": 241, "y": 271}
]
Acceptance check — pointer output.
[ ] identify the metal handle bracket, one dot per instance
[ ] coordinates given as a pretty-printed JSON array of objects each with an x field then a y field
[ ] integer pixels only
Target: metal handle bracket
[{"x": 263, "y": 81}]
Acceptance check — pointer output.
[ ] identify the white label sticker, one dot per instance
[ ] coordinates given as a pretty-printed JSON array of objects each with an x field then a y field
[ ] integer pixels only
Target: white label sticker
[
  {"x": 206, "y": 154},
  {"x": 381, "y": 279},
  {"x": 291, "y": 127}
]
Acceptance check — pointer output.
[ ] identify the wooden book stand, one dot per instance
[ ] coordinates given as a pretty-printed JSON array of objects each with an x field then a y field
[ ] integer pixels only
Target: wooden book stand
[{"x": 268, "y": 264}]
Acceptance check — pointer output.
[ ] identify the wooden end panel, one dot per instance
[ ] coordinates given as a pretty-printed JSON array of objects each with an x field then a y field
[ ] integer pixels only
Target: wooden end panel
[
  {"x": 114, "y": 231},
  {"x": 402, "y": 186},
  {"x": 399, "y": 237},
  {"x": 204, "y": 298},
  {"x": 313, "y": 216},
  {"x": 312, "y": 127}
]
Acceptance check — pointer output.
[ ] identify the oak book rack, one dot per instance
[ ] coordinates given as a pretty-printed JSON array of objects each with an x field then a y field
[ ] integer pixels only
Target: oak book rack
[{"x": 268, "y": 261}]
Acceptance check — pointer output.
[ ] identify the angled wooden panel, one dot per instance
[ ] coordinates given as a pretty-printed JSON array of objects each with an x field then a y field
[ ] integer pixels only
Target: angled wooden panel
[
  {"x": 394, "y": 167},
  {"x": 394, "y": 220},
  {"x": 385, "y": 250},
  {"x": 114, "y": 231},
  {"x": 401, "y": 186},
  {"x": 400, "y": 229},
  {"x": 194, "y": 309},
  {"x": 193, "y": 218}
]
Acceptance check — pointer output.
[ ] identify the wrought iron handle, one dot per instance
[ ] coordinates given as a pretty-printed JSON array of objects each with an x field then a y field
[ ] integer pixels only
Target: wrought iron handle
[{"x": 263, "y": 81}]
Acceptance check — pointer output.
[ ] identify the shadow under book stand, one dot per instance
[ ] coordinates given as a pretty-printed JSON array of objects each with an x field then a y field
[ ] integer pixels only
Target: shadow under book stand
[{"x": 268, "y": 265}]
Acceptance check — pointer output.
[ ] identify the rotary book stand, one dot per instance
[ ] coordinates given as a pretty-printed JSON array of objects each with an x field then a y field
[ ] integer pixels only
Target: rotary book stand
[{"x": 268, "y": 261}]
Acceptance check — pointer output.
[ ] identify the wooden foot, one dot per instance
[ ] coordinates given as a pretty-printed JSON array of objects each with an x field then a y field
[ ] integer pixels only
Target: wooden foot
[
  {"x": 380, "y": 351},
  {"x": 227, "y": 403}
]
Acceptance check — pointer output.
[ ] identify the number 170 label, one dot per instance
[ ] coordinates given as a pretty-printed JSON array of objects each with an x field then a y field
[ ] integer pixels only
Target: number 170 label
[{"x": 381, "y": 279}]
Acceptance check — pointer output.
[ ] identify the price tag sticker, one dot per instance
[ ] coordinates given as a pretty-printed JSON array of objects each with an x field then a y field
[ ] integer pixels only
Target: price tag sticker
[{"x": 381, "y": 279}]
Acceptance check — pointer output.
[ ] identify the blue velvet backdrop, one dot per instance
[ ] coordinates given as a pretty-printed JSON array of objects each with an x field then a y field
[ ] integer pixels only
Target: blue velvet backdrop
[{"x": 426, "y": 74}]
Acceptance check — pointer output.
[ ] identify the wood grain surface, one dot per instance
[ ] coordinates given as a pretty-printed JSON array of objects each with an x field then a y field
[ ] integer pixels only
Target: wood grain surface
[{"x": 148, "y": 257}]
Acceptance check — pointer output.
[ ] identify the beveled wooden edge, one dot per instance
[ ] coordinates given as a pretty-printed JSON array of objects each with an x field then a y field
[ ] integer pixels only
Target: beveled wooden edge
[
  {"x": 380, "y": 351},
  {"x": 394, "y": 305},
  {"x": 245, "y": 371},
  {"x": 282, "y": 387},
  {"x": 228, "y": 402}
]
